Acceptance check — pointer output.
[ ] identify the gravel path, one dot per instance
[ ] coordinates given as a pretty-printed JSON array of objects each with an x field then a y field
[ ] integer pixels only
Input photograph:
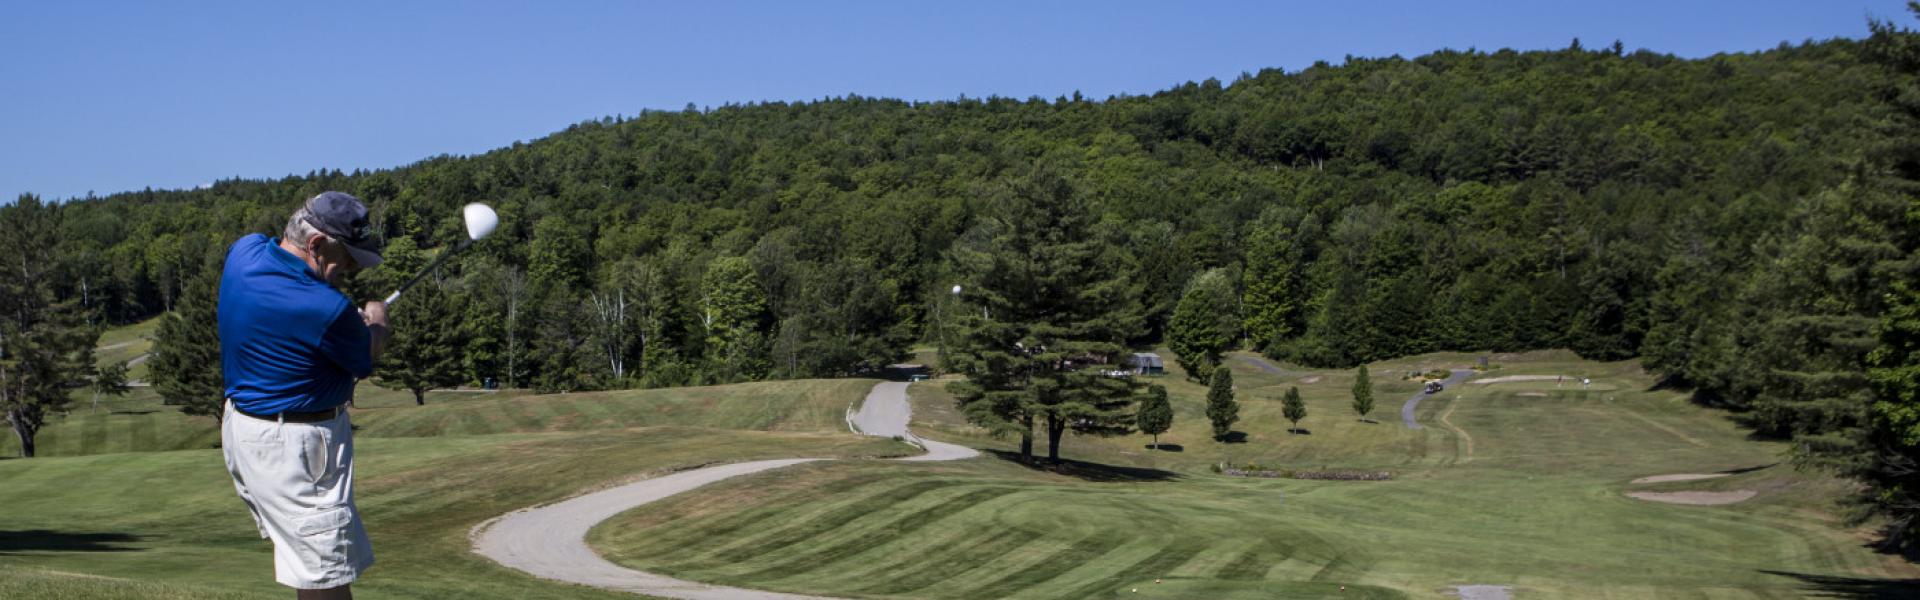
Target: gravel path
[
  {"x": 550, "y": 541},
  {"x": 1406, "y": 410}
]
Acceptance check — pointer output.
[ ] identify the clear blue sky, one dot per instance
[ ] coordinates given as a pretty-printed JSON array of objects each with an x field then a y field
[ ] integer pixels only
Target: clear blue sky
[{"x": 109, "y": 96}]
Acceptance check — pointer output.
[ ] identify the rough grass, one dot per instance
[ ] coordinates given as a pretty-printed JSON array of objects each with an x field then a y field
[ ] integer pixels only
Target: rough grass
[
  {"x": 140, "y": 423},
  {"x": 1536, "y": 503}
]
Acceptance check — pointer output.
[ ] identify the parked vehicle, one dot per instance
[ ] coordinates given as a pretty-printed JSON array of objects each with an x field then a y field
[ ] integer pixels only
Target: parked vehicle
[{"x": 1434, "y": 387}]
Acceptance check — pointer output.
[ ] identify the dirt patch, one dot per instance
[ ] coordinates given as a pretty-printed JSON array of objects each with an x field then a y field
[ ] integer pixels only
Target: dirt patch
[
  {"x": 1310, "y": 379},
  {"x": 1694, "y": 498},
  {"x": 1513, "y": 378},
  {"x": 1679, "y": 477}
]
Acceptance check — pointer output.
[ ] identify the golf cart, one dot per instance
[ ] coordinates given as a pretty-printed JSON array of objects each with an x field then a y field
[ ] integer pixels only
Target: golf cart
[{"x": 1434, "y": 387}]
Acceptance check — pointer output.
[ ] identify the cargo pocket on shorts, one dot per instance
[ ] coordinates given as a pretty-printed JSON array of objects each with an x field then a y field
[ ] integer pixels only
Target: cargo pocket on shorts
[
  {"x": 328, "y": 521},
  {"x": 325, "y": 536}
]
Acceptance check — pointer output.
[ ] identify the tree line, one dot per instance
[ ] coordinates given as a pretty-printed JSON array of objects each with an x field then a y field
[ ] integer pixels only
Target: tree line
[{"x": 1744, "y": 223}]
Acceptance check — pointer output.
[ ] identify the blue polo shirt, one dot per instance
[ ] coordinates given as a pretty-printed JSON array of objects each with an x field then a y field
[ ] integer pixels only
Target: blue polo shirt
[{"x": 288, "y": 341}]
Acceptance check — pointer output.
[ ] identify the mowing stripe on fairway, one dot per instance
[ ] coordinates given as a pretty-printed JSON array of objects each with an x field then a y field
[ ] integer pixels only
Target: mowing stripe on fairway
[
  {"x": 905, "y": 525},
  {"x": 1157, "y": 565},
  {"x": 1084, "y": 551},
  {"x": 690, "y": 530},
  {"x": 804, "y": 529},
  {"x": 694, "y": 546},
  {"x": 960, "y": 557}
]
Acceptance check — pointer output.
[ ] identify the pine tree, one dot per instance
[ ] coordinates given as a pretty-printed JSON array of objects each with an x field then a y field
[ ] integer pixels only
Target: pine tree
[
  {"x": 186, "y": 351},
  {"x": 1155, "y": 414},
  {"x": 1273, "y": 279},
  {"x": 110, "y": 380},
  {"x": 1889, "y": 454},
  {"x": 424, "y": 352},
  {"x": 1362, "y": 393},
  {"x": 46, "y": 347},
  {"x": 1051, "y": 307},
  {"x": 1293, "y": 408},
  {"x": 1222, "y": 410}
]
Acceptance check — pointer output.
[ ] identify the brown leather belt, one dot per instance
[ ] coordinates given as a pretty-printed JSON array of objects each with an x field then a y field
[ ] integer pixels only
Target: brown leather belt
[{"x": 295, "y": 417}]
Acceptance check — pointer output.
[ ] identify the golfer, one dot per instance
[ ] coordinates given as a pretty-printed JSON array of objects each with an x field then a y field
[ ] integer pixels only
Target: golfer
[{"x": 291, "y": 347}]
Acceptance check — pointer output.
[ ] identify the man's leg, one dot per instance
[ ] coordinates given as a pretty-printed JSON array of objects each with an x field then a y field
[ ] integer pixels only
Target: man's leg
[{"x": 344, "y": 592}]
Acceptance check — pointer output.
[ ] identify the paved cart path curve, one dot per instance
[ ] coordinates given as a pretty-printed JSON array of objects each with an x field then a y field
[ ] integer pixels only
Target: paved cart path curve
[
  {"x": 1453, "y": 378},
  {"x": 550, "y": 541}
]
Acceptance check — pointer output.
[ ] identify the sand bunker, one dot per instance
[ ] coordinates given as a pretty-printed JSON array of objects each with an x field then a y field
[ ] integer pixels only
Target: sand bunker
[
  {"x": 1694, "y": 498},
  {"x": 1680, "y": 477},
  {"x": 1532, "y": 394},
  {"x": 1313, "y": 379},
  {"x": 1483, "y": 592},
  {"x": 1513, "y": 378}
]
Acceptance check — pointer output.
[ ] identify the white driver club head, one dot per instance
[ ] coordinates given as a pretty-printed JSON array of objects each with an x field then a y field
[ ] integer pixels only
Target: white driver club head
[{"x": 480, "y": 220}]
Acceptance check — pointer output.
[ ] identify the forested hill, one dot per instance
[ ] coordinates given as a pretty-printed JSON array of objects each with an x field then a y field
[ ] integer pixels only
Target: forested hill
[{"x": 1616, "y": 203}]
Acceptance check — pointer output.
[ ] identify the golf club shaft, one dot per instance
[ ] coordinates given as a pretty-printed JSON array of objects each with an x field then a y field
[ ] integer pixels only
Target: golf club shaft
[{"x": 430, "y": 268}]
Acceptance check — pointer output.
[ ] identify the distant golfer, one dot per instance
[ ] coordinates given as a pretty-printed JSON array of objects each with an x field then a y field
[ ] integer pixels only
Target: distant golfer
[{"x": 292, "y": 345}]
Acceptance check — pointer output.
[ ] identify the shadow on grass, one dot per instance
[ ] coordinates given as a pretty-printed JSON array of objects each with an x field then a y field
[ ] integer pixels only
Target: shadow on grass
[
  {"x": 1300, "y": 431},
  {"x": 1234, "y": 437},
  {"x": 1833, "y": 586},
  {"x": 42, "y": 540},
  {"x": 1747, "y": 469},
  {"x": 1088, "y": 471},
  {"x": 1167, "y": 447},
  {"x": 132, "y": 412}
]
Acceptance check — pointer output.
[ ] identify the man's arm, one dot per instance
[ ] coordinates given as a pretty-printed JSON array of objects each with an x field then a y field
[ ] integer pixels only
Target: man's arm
[{"x": 375, "y": 314}]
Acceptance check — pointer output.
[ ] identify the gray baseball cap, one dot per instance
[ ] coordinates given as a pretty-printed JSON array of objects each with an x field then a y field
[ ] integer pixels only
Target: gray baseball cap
[{"x": 343, "y": 217}]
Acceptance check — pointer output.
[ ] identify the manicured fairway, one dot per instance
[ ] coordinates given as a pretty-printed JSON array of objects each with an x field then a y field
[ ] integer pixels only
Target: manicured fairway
[
  {"x": 1519, "y": 484},
  {"x": 171, "y": 518},
  {"x": 1536, "y": 504}
]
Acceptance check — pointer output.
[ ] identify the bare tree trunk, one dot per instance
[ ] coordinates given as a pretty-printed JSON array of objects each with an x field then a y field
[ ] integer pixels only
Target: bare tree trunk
[{"x": 1055, "y": 426}]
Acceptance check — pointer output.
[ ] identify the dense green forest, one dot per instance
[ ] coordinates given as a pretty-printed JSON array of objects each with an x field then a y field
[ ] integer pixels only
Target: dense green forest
[{"x": 1745, "y": 223}]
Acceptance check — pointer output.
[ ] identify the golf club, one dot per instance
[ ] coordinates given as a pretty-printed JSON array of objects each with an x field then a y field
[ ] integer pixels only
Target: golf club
[{"x": 480, "y": 223}]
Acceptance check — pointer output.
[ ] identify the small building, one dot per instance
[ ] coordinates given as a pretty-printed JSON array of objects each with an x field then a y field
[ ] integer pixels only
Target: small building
[{"x": 1147, "y": 363}]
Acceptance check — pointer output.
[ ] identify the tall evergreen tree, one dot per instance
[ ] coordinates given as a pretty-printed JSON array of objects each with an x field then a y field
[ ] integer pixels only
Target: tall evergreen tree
[
  {"x": 1273, "y": 279},
  {"x": 424, "y": 351},
  {"x": 46, "y": 347},
  {"x": 1293, "y": 408},
  {"x": 1362, "y": 392},
  {"x": 1053, "y": 306},
  {"x": 1222, "y": 410},
  {"x": 186, "y": 351},
  {"x": 1887, "y": 458},
  {"x": 1155, "y": 413}
]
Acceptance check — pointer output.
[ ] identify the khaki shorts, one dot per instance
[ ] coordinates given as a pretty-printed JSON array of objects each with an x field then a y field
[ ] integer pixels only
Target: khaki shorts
[{"x": 297, "y": 480}]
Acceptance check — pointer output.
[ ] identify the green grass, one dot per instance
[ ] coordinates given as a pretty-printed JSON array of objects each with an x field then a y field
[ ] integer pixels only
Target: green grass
[
  {"x": 126, "y": 343},
  {"x": 1515, "y": 484},
  {"x": 171, "y": 518},
  {"x": 1536, "y": 503},
  {"x": 140, "y": 423}
]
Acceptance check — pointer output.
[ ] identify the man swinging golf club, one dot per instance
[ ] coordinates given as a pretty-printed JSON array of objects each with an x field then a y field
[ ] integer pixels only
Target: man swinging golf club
[{"x": 292, "y": 345}]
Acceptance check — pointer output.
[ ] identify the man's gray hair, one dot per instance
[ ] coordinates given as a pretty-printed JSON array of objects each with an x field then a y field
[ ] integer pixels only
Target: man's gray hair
[{"x": 299, "y": 230}]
